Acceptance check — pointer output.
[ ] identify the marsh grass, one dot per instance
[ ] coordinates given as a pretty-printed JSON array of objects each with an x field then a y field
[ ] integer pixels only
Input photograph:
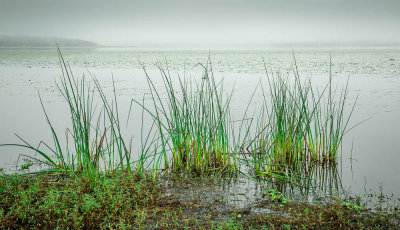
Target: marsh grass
[
  {"x": 296, "y": 125},
  {"x": 193, "y": 122},
  {"x": 93, "y": 142},
  {"x": 192, "y": 129}
]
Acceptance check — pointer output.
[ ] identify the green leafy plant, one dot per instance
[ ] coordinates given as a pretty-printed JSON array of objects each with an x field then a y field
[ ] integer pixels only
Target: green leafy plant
[
  {"x": 26, "y": 166},
  {"x": 276, "y": 196},
  {"x": 351, "y": 205}
]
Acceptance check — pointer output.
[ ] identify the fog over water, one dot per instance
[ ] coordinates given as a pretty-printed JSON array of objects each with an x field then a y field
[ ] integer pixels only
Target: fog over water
[{"x": 208, "y": 24}]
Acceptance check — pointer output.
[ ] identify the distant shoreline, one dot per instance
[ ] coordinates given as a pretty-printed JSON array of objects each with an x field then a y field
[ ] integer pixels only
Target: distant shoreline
[
  {"x": 46, "y": 47},
  {"x": 7, "y": 41},
  {"x": 136, "y": 48}
]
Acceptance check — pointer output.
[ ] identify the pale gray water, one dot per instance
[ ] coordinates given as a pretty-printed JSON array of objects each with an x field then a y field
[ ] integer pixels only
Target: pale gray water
[{"x": 374, "y": 75}]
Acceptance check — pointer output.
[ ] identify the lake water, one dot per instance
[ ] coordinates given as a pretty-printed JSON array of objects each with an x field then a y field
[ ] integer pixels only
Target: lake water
[{"x": 370, "y": 153}]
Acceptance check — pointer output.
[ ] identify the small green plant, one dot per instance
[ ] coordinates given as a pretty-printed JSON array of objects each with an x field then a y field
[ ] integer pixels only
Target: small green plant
[
  {"x": 231, "y": 224},
  {"x": 26, "y": 166},
  {"x": 276, "y": 196},
  {"x": 286, "y": 226},
  {"x": 351, "y": 205}
]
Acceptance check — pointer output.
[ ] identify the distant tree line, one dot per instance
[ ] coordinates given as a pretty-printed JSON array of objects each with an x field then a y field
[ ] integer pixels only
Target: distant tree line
[{"x": 31, "y": 41}]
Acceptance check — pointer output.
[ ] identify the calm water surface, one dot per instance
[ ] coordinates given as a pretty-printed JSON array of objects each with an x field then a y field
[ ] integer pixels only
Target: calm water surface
[{"x": 371, "y": 151}]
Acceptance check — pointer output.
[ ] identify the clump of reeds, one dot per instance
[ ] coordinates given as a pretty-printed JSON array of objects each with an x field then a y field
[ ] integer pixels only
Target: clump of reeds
[
  {"x": 97, "y": 144},
  {"x": 193, "y": 123},
  {"x": 297, "y": 124}
]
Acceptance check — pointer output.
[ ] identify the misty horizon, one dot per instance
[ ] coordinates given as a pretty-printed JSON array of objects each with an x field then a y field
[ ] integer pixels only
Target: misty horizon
[{"x": 223, "y": 23}]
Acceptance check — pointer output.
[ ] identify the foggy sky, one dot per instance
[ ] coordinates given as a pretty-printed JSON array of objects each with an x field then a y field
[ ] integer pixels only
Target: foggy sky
[{"x": 203, "y": 22}]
